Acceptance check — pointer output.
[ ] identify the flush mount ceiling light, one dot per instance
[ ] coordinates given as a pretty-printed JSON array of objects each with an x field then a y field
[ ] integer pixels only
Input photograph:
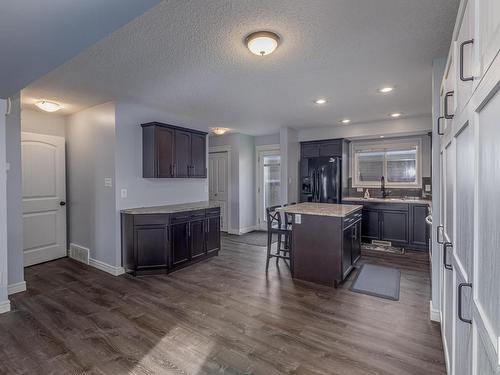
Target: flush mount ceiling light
[
  {"x": 320, "y": 101},
  {"x": 396, "y": 114},
  {"x": 219, "y": 131},
  {"x": 48, "y": 106},
  {"x": 262, "y": 43},
  {"x": 345, "y": 121},
  {"x": 385, "y": 90}
]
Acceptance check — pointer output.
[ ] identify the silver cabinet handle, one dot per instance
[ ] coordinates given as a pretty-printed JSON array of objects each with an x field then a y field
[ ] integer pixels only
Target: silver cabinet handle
[{"x": 462, "y": 45}]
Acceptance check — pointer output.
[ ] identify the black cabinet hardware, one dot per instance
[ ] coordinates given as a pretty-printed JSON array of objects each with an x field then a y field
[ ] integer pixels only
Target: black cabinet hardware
[
  {"x": 439, "y": 125},
  {"x": 462, "y": 45},
  {"x": 460, "y": 312},
  {"x": 445, "y": 255},
  {"x": 447, "y": 115},
  {"x": 439, "y": 228}
]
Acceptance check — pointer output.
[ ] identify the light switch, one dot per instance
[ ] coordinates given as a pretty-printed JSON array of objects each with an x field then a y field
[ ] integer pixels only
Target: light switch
[
  {"x": 298, "y": 219},
  {"x": 123, "y": 193},
  {"x": 427, "y": 188},
  {"x": 108, "y": 182}
]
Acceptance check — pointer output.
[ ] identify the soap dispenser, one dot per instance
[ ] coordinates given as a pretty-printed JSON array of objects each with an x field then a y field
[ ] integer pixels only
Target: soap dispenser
[{"x": 367, "y": 194}]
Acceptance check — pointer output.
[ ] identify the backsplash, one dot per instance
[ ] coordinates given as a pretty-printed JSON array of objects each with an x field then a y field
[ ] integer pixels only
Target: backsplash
[{"x": 394, "y": 193}]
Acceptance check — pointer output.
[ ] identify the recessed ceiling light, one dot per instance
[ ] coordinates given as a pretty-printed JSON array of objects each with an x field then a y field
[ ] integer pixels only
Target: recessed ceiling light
[
  {"x": 262, "y": 43},
  {"x": 397, "y": 114},
  {"x": 385, "y": 90},
  {"x": 48, "y": 106},
  {"x": 219, "y": 131},
  {"x": 345, "y": 121},
  {"x": 320, "y": 101}
]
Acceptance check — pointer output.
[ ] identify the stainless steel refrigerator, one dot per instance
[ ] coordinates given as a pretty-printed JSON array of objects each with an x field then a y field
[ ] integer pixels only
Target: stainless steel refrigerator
[{"x": 320, "y": 180}]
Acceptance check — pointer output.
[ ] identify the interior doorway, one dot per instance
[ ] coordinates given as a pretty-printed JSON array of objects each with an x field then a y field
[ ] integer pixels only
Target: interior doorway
[
  {"x": 218, "y": 181},
  {"x": 43, "y": 197},
  {"x": 268, "y": 181}
]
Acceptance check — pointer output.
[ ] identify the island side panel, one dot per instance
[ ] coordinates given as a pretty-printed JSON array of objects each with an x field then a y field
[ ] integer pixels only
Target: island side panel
[{"x": 317, "y": 249}]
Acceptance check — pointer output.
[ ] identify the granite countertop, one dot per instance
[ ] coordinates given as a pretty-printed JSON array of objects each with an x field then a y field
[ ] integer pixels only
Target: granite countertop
[
  {"x": 321, "y": 209},
  {"x": 388, "y": 200},
  {"x": 170, "y": 209}
]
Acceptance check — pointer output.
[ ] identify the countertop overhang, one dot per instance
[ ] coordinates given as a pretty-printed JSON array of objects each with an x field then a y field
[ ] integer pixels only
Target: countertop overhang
[
  {"x": 388, "y": 200},
  {"x": 172, "y": 208},
  {"x": 321, "y": 209}
]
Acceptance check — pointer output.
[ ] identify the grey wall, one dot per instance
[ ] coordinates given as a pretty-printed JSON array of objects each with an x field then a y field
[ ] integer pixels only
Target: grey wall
[
  {"x": 35, "y": 121},
  {"x": 290, "y": 153},
  {"x": 91, "y": 159},
  {"x": 3, "y": 208},
  {"x": 14, "y": 193},
  {"x": 264, "y": 140}
]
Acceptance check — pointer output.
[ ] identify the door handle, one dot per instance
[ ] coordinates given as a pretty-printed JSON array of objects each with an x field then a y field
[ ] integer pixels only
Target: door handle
[
  {"x": 446, "y": 96},
  {"x": 438, "y": 237},
  {"x": 462, "y": 45},
  {"x": 460, "y": 315},
  {"x": 445, "y": 255},
  {"x": 62, "y": 203},
  {"x": 439, "y": 125}
]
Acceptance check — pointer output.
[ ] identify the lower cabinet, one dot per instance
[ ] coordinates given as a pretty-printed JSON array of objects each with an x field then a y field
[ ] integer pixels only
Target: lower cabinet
[
  {"x": 351, "y": 242},
  {"x": 394, "y": 227},
  {"x": 161, "y": 243},
  {"x": 370, "y": 224}
]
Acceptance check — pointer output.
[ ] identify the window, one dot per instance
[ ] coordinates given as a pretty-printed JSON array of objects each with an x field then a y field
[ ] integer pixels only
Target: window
[{"x": 398, "y": 162}]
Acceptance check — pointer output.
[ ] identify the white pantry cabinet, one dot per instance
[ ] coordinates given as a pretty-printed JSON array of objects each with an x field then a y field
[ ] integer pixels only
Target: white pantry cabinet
[{"x": 470, "y": 193}]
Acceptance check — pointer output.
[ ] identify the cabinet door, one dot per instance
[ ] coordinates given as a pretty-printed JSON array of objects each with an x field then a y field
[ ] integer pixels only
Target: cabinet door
[
  {"x": 310, "y": 150},
  {"x": 151, "y": 247},
  {"x": 197, "y": 238},
  {"x": 347, "y": 251},
  {"x": 489, "y": 31},
  {"x": 356, "y": 242},
  {"x": 198, "y": 156},
  {"x": 213, "y": 234},
  {"x": 333, "y": 148},
  {"x": 180, "y": 244},
  {"x": 164, "y": 139},
  {"x": 419, "y": 230},
  {"x": 395, "y": 227},
  {"x": 464, "y": 55},
  {"x": 370, "y": 227},
  {"x": 182, "y": 153}
]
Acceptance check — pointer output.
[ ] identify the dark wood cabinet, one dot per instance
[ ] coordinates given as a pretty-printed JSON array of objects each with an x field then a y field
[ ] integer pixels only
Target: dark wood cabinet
[
  {"x": 160, "y": 243},
  {"x": 173, "y": 152},
  {"x": 394, "y": 227},
  {"x": 356, "y": 242},
  {"x": 351, "y": 242},
  {"x": 180, "y": 244},
  {"x": 346, "y": 252},
  {"x": 419, "y": 230},
  {"x": 314, "y": 149},
  {"x": 370, "y": 226}
]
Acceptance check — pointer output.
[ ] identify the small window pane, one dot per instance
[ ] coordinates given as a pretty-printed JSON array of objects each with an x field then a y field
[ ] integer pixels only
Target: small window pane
[
  {"x": 402, "y": 166},
  {"x": 272, "y": 180},
  {"x": 370, "y": 166}
]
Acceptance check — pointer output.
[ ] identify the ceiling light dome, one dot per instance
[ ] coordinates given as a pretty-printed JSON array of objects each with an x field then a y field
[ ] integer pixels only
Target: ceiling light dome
[
  {"x": 48, "y": 106},
  {"x": 262, "y": 43},
  {"x": 219, "y": 131}
]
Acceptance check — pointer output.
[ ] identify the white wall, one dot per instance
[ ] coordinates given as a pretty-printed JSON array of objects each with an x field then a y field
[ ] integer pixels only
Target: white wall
[
  {"x": 270, "y": 139},
  {"x": 91, "y": 159},
  {"x": 290, "y": 153},
  {"x": 4, "y": 302},
  {"x": 35, "y": 121},
  {"x": 14, "y": 193}
]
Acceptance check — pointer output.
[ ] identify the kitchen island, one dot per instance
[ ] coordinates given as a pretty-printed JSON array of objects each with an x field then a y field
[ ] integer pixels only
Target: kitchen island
[{"x": 326, "y": 241}]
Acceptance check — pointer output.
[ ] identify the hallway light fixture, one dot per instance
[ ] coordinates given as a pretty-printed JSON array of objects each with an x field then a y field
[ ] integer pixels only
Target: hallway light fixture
[
  {"x": 219, "y": 131},
  {"x": 385, "y": 90},
  {"x": 320, "y": 101},
  {"x": 47, "y": 106},
  {"x": 262, "y": 43},
  {"x": 395, "y": 115}
]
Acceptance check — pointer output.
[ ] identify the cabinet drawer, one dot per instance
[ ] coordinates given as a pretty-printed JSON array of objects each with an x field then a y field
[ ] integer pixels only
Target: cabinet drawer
[
  {"x": 180, "y": 217},
  {"x": 213, "y": 212},
  {"x": 153, "y": 219},
  {"x": 386, "y": 206}
]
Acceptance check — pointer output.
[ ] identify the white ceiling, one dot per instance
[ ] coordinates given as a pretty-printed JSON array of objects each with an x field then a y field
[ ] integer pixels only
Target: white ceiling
[
  {"x": 188, "y": 58},
  {"x": 38, "y": 35}
]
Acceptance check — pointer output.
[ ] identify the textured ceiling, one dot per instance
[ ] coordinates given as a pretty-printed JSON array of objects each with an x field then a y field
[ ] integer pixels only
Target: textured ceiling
[
  {"x": 188, "y": 58},
  {"x": 38, "y": 35}
]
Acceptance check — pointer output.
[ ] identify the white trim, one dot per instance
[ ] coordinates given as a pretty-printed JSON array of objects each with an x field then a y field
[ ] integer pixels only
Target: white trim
[
  {"x": 16, "y": 288},
  {"x": 4, "y": 306},
  {"x": 229, "y": 166},
  {"x": 247, "y": 230},
  {"x": 435, "y": 314},
  {"x": 113, "y": 270},
  {"x": 273, "y": 147},
  {"x": 259, "y": 151}
]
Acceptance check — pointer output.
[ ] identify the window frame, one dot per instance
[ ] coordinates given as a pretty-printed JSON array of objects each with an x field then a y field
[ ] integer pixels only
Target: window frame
[{"x": 385, "y": 146}]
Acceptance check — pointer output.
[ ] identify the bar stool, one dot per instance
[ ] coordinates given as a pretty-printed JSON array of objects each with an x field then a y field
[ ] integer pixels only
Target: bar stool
[{"x": 275, "y": 226}]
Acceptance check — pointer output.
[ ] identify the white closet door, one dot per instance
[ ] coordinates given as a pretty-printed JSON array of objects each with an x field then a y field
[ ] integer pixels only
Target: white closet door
[
  {"x": 486, "y": 284},
  {"x": 218, "y": 184}
]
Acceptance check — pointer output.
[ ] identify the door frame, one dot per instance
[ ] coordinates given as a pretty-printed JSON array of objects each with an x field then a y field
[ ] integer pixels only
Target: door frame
[
  {"x": 262, "y": 150},
  {"x": 227, "y": 149}
]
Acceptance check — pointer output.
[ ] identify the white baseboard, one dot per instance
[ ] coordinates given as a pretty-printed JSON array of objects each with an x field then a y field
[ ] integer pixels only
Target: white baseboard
[
  {"x": 247, "y": 230},
  {"x": 435, "y": 315},
  {"x": 16, "y": 288},
  {"x": 113, "y": 270},
  {"x": 4, "y": 306}
]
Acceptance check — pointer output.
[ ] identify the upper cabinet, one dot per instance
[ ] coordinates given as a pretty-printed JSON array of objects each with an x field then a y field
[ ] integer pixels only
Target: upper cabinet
[
  {"x": 173, "y": 152},
  {"x": 313, "y": 149}
]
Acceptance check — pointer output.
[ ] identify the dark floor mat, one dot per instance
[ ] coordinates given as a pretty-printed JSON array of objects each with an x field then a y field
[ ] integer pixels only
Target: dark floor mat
[{"x": 378, "y": 281}]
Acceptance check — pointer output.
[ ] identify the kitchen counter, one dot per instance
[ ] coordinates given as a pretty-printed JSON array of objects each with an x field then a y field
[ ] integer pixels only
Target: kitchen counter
[
  {"x": 170, "y": 209},
  {"x": 321, "y": 209},
  {"x": 388, "y": 200}
]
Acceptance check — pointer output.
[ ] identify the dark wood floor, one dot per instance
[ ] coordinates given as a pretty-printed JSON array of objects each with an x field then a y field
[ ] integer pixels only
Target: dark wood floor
[{"x": 223, "y": 316}]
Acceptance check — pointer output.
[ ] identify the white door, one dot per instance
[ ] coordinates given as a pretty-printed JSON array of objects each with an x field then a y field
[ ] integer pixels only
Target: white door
[
  {"x": 44, "y": 197},
  {"x": 218, "y": 184},
  {"x": 268, "y": 183}
]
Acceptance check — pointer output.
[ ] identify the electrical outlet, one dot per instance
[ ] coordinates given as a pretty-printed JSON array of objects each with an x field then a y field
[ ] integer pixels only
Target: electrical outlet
[
  {"x": 108, "y": 182},
  {"x": 123, "y": 193},
  {"x": 427, "y": 188},
  {"x": 298, "y": 219},
  {"x": 359, "y": 190}
]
